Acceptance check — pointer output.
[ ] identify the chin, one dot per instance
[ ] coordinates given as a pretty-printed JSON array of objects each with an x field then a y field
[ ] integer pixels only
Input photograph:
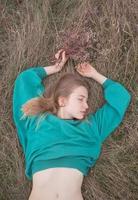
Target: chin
[{"x": 80, "y": 117}]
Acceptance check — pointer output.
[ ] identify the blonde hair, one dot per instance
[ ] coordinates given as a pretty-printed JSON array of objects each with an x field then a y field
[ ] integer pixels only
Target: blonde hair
[{"x": 48, "y": 102}]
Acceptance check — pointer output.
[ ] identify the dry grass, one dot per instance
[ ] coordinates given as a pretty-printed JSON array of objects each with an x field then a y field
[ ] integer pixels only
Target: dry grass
[{"x": 29, "y": 35}]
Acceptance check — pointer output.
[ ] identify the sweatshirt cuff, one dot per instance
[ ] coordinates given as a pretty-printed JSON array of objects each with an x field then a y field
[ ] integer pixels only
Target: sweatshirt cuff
[
  {"x": 41, "y": 72},
  {"x": 107, "y": 82}
]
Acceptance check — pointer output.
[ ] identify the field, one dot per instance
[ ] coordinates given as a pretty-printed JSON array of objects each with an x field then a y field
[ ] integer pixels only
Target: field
[{"x": 31, "y": 32}]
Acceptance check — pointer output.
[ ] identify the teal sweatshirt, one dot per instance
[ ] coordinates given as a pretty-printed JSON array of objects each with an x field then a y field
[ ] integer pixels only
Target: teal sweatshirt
[{"x": 56, "y": 142}]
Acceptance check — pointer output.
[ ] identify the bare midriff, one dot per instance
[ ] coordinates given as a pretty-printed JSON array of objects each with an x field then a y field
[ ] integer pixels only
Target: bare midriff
[{"x": 57, "y": 184}]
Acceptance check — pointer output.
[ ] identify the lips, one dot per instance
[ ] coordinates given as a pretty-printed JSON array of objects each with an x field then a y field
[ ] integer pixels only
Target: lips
[{"x": 84, "y": 112}]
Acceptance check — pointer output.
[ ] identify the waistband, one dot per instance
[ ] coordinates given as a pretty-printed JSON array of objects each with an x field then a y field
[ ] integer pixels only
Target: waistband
[{"x": 69, "y": 162}]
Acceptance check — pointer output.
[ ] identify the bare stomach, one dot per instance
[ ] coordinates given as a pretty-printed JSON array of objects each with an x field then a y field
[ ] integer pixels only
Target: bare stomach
[{"x": 57, "y": 184}]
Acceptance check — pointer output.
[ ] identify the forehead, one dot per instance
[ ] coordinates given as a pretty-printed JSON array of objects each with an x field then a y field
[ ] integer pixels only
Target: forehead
[{"x": 80, "y": 91}]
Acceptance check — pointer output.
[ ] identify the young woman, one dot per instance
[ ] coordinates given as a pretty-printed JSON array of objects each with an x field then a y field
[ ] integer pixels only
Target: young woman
[{"x": 61, "y": 139}]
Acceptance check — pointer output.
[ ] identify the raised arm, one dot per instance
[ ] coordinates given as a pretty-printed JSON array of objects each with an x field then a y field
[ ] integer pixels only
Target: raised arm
[
  {"x": 28, "y": 85},
  {"x": 29, "y": 82},
  {"x": 110, "y": 115}
]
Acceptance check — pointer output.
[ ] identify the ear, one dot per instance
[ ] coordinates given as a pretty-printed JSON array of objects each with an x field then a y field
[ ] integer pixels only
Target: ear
[{"x": 62, "y": 101}]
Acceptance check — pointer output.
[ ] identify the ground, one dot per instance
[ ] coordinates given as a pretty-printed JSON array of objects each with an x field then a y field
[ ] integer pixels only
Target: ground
[{"x": 30, "y": 34}]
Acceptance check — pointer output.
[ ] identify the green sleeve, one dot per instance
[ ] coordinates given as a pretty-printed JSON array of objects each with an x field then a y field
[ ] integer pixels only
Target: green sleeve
[
  {"x": 111, "y": 114},
  {"x": 28, "y": 85}
]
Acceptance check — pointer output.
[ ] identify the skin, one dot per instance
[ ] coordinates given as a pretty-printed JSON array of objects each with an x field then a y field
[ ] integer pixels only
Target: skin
[
  {"x": 75, "y": 106},
  {"x": 57, "y": 183},
  {"x": 50, "y": 183},
  {"x": 85, "y": 69}
]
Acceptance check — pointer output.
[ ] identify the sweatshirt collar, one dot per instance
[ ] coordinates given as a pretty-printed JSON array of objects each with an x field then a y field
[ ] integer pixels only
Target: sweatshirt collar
[{"x": 56, "y": 118}]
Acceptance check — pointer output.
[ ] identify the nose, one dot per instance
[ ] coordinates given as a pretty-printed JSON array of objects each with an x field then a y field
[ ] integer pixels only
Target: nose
[{"x": 86, "y": 106}]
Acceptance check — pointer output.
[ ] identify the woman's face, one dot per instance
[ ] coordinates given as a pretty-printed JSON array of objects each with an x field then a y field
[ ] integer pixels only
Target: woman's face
[{"x": 76, "y": 104}]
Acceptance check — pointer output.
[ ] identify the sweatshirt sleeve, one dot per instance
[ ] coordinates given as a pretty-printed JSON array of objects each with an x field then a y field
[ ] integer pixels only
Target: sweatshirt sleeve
[
  {"x": 27, "y": 85},
  {"x": 111, "y": 114}
]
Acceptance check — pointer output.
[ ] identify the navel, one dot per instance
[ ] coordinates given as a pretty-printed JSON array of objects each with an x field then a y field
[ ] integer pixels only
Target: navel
[{"x": 57, "y": 196}]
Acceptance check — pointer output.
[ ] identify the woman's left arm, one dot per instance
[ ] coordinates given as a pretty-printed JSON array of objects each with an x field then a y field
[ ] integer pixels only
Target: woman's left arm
[
  {"x": 110, "y": 115},
  {"x": 117, "y": 97}
]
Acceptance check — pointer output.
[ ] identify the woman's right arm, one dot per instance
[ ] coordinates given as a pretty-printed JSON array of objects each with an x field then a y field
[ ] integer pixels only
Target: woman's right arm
[
  {"x": 50, "y": 69},
  {"x": 28, "y": 84}
]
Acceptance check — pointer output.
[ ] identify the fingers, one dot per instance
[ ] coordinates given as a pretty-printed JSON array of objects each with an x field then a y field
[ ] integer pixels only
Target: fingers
[
  {"x": 61, "y": 56},
  {"x": 57, "y": 55},
  {"x": 80, "y": 66},
  {"x": 79, "y": 70},
  {"x": 64, "y": 57}
]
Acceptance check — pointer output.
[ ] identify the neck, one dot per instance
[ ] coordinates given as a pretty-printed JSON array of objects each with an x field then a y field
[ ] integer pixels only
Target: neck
[{"x": 62, "y": 114}]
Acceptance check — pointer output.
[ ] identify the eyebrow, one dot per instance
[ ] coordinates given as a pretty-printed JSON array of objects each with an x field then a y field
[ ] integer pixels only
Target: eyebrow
[{"x": 83, "y": 96}]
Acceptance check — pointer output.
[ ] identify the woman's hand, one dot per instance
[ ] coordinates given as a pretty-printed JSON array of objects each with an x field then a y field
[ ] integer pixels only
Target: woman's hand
[
  {"x": 85, "y": 69},
  {"x": 61, "y": 60}
]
